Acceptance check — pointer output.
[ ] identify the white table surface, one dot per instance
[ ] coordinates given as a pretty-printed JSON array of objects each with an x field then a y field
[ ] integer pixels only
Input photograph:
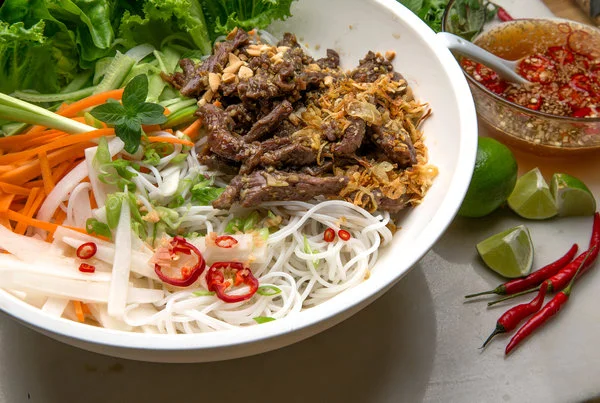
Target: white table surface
[{"x": 419, "y": 342}]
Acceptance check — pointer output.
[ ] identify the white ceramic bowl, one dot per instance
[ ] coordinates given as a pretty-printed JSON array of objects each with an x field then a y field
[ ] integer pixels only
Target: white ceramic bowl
[{"x": 352, "y": 27}]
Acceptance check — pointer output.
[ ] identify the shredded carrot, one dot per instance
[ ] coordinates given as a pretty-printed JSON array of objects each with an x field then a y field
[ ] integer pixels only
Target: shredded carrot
[
  {"x": 60, "y": 216},
  {"x": 6, "y": 223},
  {"x": 193, "y": 130},
  {"x": 6, "y": 200},
  {"x": 33, "y": 222},
  {"x": 35, "y": 130},
  {"x": 93, "y": 203},
  {"x": 19, "y": 139},
  {"x": 85, "y": 308},
  {"x": 34, "y": 184},
  {"x": 37, "y": 203},
  {"x": 22, "y": 227},
  {"x": 31, "y": 169},
  {"x": 172, "y": 140},
  {"x": 93, "y": 100},
  {"x": 167, "y": 111},
  {"x": 58, "y": 143},
  {"x": 61, "y": 169},
  {"x": 14, "y": 189},
  {"x": 79, "y": 311},
  {"x": 217, "y": 103},
  {"x": 44, "y": 138},
  {"x": 46, "y": 172},
  {"x": 150, "y": 128}
]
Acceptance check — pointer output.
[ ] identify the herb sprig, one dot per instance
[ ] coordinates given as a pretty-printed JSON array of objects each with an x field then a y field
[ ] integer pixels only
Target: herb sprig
[
  {"x": 466, "y": 16},
  {"x": 128, "y": 116}
]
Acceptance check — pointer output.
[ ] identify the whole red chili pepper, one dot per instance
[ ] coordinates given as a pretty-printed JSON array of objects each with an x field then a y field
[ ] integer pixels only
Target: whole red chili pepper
[
  {"x": 503, "y": 15},
  {"x": 580, "y": 266},
  {"x": 533, "y": 279},
  {"x": 187, "y": 275},
  {"x": 548, "y": 311},
  {"x": 215, "y": 279},
  {"x": 511, "y": 318}
]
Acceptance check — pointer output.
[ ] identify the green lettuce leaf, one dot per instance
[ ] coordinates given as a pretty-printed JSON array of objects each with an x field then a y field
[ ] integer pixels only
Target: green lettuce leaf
[
  {"x": 224, "y": 15},
  {"x": 30, "y": 60},
  {"x": 158, "y": 21}
]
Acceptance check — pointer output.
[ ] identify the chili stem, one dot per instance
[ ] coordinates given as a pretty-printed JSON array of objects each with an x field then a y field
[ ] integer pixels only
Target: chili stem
[
  {"x": 513, "y": 296},
  {"x": 567, "y": 289}
]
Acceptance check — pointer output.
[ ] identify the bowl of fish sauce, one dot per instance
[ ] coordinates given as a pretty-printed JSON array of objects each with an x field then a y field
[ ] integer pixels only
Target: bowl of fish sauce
[{"x": 558, "y": 114}]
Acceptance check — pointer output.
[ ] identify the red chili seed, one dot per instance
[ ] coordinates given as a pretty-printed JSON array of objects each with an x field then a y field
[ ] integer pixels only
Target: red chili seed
[
  {"x": 329, "y": 235},
  {"x": 87, "y": 250},
  {"x": 87, "y": 268},
  {"x": 225, "y": 241},
  {"x": 344, "y": 235}
]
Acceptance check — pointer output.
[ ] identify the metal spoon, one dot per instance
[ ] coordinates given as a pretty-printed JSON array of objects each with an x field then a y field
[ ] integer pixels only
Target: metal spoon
[{"x": 504, "y": 68}]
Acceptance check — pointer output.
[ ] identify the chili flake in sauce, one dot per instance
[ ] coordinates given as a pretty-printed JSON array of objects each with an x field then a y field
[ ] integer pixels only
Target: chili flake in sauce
[{"x": 565, "y": 82}]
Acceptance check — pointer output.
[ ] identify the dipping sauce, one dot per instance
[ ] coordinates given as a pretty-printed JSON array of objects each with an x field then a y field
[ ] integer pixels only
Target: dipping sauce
[{"x": 565, "y": 77}]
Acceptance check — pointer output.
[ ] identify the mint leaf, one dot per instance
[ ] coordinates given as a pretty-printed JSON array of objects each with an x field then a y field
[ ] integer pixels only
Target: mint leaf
[
  {"x": 130, "y": 131},
  {"x": 134, "y": 111},
  {"x": 111, "y": 113},
  {"x": 151, "y": 114},
  {"x": 135, "y": 93}
]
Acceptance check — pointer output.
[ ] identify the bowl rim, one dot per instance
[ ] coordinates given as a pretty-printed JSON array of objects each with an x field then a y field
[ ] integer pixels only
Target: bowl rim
[
  {"x": 366, "y": 291},
  {"x": 520, "y": 108}
]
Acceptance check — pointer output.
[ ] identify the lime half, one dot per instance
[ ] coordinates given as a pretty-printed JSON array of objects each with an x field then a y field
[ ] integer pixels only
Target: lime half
[
  {"x": 572, "y": 196},
  {"x": 509, "y": 253},
  {"x": 531, "y": 197}
]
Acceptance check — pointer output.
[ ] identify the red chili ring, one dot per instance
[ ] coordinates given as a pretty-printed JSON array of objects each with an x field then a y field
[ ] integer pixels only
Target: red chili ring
[
  {"x": 179, "y": 244},
  {"x": 329, "y": 235},
  {"x": 344, "y": 235},
  {"x": 87, "y": 250},
  {"x": 225, "y": 241}
]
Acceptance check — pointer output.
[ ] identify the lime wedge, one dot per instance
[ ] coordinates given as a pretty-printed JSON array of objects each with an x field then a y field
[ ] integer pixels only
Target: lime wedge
[
  {"x": 531, "y": 197},
  {"x": 571, "y": 196},
  {"x": 509, "y": 253}
]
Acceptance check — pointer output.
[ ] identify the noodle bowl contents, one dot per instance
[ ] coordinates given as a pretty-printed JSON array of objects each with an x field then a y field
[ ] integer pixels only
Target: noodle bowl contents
[{"x": 279, "y": 202}]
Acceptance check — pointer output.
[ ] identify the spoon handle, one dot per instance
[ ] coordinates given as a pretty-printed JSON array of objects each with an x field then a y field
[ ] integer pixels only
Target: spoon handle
[{"x": 504, "y": 68}]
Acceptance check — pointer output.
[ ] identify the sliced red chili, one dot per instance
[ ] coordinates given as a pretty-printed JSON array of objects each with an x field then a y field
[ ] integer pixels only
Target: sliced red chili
[
  {"x": 87, "y": 250},
  {"x": 537, "y": 68},
  {"x": 582, "y": 112},
  {"x": 329, "y": 235},
  {"x": 180, "y": 268},
  {"x": 344, "y": 235},
  {"x": 87, "y": 268},
  {"x": 485, "y": 73},
  {"x": 225, "y": 241},
  {"x": 571, "y": 96},
  {"x": 581, "y": 82},
  {"x": 560, "y": 54},
  {"x": 497, "y": 87},
  {"x": 236, "y": 274}
]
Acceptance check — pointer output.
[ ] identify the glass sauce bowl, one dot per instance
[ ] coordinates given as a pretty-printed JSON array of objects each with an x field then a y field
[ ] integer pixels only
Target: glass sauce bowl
[{"x": 515, "y": 125}]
